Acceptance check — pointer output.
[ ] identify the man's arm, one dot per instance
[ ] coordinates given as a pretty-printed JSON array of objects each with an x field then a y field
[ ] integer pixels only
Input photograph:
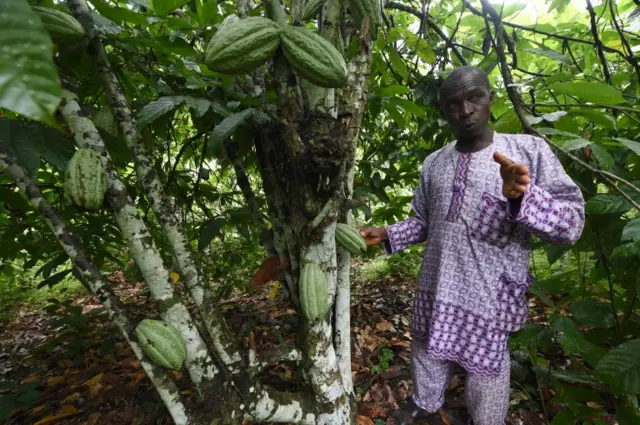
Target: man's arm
[
  {"x": 399, "y": 236},
  {"x": 552, "y": 206}
]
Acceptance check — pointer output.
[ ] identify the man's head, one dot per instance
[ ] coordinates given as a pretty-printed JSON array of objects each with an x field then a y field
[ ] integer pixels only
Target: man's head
[{"x": 466, "y": 98}]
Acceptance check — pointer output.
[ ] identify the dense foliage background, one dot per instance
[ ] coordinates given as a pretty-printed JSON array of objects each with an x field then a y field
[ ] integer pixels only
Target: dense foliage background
[{"x": 575, "y": 74}]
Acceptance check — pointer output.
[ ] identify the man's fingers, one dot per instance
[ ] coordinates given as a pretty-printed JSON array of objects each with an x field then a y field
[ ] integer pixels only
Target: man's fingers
[
  {"x": 501, "y": 159},
  {"x": 523, "y": 179},
  {"x": 521, "y": 169}
]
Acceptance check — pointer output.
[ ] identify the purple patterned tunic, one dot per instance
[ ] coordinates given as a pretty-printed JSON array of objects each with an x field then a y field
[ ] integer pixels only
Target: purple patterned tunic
[{"x": 474, "y": 275}]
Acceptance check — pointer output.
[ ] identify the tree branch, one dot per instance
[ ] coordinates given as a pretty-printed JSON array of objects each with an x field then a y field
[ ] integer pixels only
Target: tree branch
[
  {"x": 598, "y": 43},
  {"x": 630, "y": 54},
  {"x": 391, "y": 4},
  {"x": 166, "y": 387},
  {"x": 249, "y": 197}
]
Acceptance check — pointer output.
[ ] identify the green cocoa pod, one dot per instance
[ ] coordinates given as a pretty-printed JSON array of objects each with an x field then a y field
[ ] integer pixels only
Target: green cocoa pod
[
  {"x": 62, "y": 27},
  {"x": 85, "y": 181},
  {"x": 361, "y": 8},
  {"x": 314, "y": 296},
  {"x": 162, "y": 343},
  {"x": 311, "y": 9},
  {"x": 243, "y": 45},
  {"x": 313, "y": 57},
  {"x": 350, "y": 239}
]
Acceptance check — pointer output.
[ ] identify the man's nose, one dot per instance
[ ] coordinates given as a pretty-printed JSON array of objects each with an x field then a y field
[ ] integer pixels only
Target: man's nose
[{"x": 466, "y": 109}]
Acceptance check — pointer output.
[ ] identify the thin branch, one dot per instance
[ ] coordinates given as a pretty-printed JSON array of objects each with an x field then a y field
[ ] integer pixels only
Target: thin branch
[
  {"x": 183, "y": 148},
  {"x": 249, "y": 196},
  {"x": 630, "y": 54},
  {"x": 598, "y": 43}
]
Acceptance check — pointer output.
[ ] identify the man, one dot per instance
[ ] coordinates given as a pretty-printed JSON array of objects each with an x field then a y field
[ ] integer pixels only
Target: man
[{"x": 478, "y": 203}]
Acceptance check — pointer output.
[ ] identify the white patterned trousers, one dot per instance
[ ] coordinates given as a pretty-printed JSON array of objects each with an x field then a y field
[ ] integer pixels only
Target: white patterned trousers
[{"x": 487, "y": 398}]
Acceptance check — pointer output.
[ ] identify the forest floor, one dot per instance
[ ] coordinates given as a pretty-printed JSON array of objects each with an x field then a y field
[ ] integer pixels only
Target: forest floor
[{"x": 73, "y": 368}]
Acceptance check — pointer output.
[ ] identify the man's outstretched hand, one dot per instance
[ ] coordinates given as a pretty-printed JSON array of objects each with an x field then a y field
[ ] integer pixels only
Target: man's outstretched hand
[
  {"x": 515, "y": 176},
  {"x": 373, "y": 235}
]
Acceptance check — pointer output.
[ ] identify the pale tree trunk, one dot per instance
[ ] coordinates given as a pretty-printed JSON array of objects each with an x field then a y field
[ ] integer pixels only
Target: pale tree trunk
[{"x": 166, "y": 388}]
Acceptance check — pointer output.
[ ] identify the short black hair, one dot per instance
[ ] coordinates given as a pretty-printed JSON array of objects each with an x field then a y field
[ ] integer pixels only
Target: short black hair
[{"x": 464, "y": 71}]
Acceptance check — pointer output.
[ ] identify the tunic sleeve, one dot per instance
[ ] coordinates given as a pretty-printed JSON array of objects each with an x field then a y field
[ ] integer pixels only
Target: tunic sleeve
[
  {"x": 552, "y": 208},
  {"x": 414, "y": 229}
]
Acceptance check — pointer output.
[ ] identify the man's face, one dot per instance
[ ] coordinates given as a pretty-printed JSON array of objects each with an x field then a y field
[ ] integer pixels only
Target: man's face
[{"x": 466, "y": 105}]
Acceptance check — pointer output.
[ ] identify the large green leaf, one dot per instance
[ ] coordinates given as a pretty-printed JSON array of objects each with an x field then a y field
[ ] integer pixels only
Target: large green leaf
[
  {"x": 607, "y": 203},
  {"x": 602, "y": 155},
  {"x": 599, "y": 93},
  {"x": 593, "y": 313},
  {"x": 573, "y": 341},
  {"x": 626, "y": 415},
  {"x": 620, "y": 367},
  {"x": 631, "y": 231},
  {"x": 164, "y": 7},
  {"x": 552, "y": 54},
  {"x": 224, "y": 130},
  {"x": 596, "y": 116},
  {"x": 157, "y": 108},
  {"x": 633, "y": 145},
  {"x": 29, "y": 81},
  {"x": 210, "y": 230}
]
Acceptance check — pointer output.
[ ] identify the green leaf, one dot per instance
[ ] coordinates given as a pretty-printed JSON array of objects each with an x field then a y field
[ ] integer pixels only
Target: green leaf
[
  {"x": 594, "y": 92},
  {"x": 552, "y": 54},
  {"x": 199, "y": 105},
  {"x": 54, "y": 279},
  {"x": 626, "y": 415},
  {"x": 207, "y": 11},
  {"x": 573, "y": 341},
  {"x": 593, "y": 313},
  {"x": 574, "y": 144},
  {"x": 398, "y": 63},
  {"x": 157, "y": 108},
  {"x": 29, "y": 81},
  {"x": 118, "y": 15},
  {"x": 508, "y": 123},
  {"x": 596, "y": 116},
  {"x": 224, "y": 130},
  {"x": 633, "y": 145},
  {"x": 7, "y": 406},
  {"x": 554, "y": 132},
  {"x": 392, "y": 90},
  {"x": 164, "y": 7},
  {"x": 631, "y": 231},
  {"x": 607, "y": 203},
  {"x": 408, "y": 106},
  {"x": 15, "y": 200},
  {"x": 18, "y": 138},
  {"x": 210, "y": 230},
  {"x": 620, "y": 367},
  {"x": 603, "y": 156}
]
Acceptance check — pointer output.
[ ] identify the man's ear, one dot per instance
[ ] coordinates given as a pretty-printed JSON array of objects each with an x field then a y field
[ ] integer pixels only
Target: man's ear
[{"x": 491, "y": 96}]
